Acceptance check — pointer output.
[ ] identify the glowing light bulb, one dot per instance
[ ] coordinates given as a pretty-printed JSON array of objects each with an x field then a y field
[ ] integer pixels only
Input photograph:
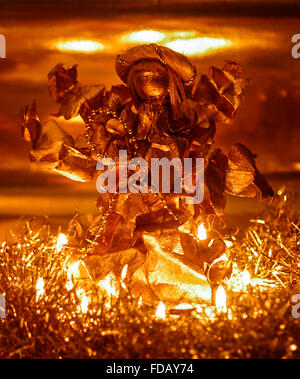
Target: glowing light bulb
[
  {"x": 82, "y": 46},
  {"x": 110, "y": 288},
  {"x": 221, "y": 300},
  {"x": 84, "y": 305},
  {"x": 201, "y": 233},
  {"x": 161, "y": 311},
  {"x": 144, "y": 36},
  {"x": 61, "y": 241},
  {"x": 246, "y": 278},
  {"x": 123, "y": 276},
  {"x": 40, "y": 288},
  {"x": 198, "y": 45},
  {"x": 124, "y": 272},
  {"x": 140, "y": 302},
  {"x": 184, "y": 306}
]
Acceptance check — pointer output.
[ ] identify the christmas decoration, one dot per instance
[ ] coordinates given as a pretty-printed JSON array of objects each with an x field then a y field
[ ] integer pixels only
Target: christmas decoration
[
  {"x": 164, "y": 109},
  {"x": 50, "y": 314}
]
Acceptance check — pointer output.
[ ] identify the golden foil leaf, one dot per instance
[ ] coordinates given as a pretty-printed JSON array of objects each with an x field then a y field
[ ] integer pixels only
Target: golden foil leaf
[
  {"x": 61, "y": 79},
  {"x": 243, "y": 177}
]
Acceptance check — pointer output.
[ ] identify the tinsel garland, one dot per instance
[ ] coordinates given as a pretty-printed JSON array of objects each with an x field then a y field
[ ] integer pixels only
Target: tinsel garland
[{"x": 46, "y": 318}]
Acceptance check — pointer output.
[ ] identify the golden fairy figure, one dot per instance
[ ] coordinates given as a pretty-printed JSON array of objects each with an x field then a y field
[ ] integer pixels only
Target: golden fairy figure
[{"x": 165, "y": 108}]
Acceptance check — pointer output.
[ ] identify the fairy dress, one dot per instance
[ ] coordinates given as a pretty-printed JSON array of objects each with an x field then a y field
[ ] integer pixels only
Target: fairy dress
[{"x": 157, "y": 113}]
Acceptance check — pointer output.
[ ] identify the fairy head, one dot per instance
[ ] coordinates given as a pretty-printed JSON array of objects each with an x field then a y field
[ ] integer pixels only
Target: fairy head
[{"x": 156, "y": 72}]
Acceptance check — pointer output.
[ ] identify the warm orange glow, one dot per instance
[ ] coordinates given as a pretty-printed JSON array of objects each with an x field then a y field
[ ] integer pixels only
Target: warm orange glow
[
  {"x": 184, "y": 306},
  {"x": 123, "y": 276},
  {"x": 221, "y": 300},
  {"x": 75, "y": 177},
  {"x": 140, "y": 302},
  {"x": 76, "y": 270},
  {"x": 223, "y": 257},
  {"x": 188, "y": 42},
  {"x": 197, "y": 46},
  {"x": 296, "y": 166},
  {"x": 72, "y": 274},
  {"x": 61, "y": 241},
  {"x": 84, "y": 305},
  {"x": 240, "y": 281},
  {"x": 124, "y": 272},
  {"x": 210, "y": 312},
  {"x": 40, "y": 288},
  {"x": 228, "y": 243},
  {"x": 201, "y": 233},
  {"x": 184, "y": 34},
  {"x": 161, "y": 311},
  {"x": 82, "y": 46},
  {"x": 69, "y": 123},
  {"x": 109, "y": 286},
  {"x": 144, "y": 36},
  {"x": 246, "y": 278},
  {"x": 267, "y": 283}
]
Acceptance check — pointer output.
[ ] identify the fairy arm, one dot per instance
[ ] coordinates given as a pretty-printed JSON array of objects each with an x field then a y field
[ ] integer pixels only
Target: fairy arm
[
  {"x": 53, "y": 149},
  {"x": 56, "y": 150}
]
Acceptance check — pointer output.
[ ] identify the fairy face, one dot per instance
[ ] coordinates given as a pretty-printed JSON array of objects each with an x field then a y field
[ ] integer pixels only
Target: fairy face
[{"x": 148, "y": 80}]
